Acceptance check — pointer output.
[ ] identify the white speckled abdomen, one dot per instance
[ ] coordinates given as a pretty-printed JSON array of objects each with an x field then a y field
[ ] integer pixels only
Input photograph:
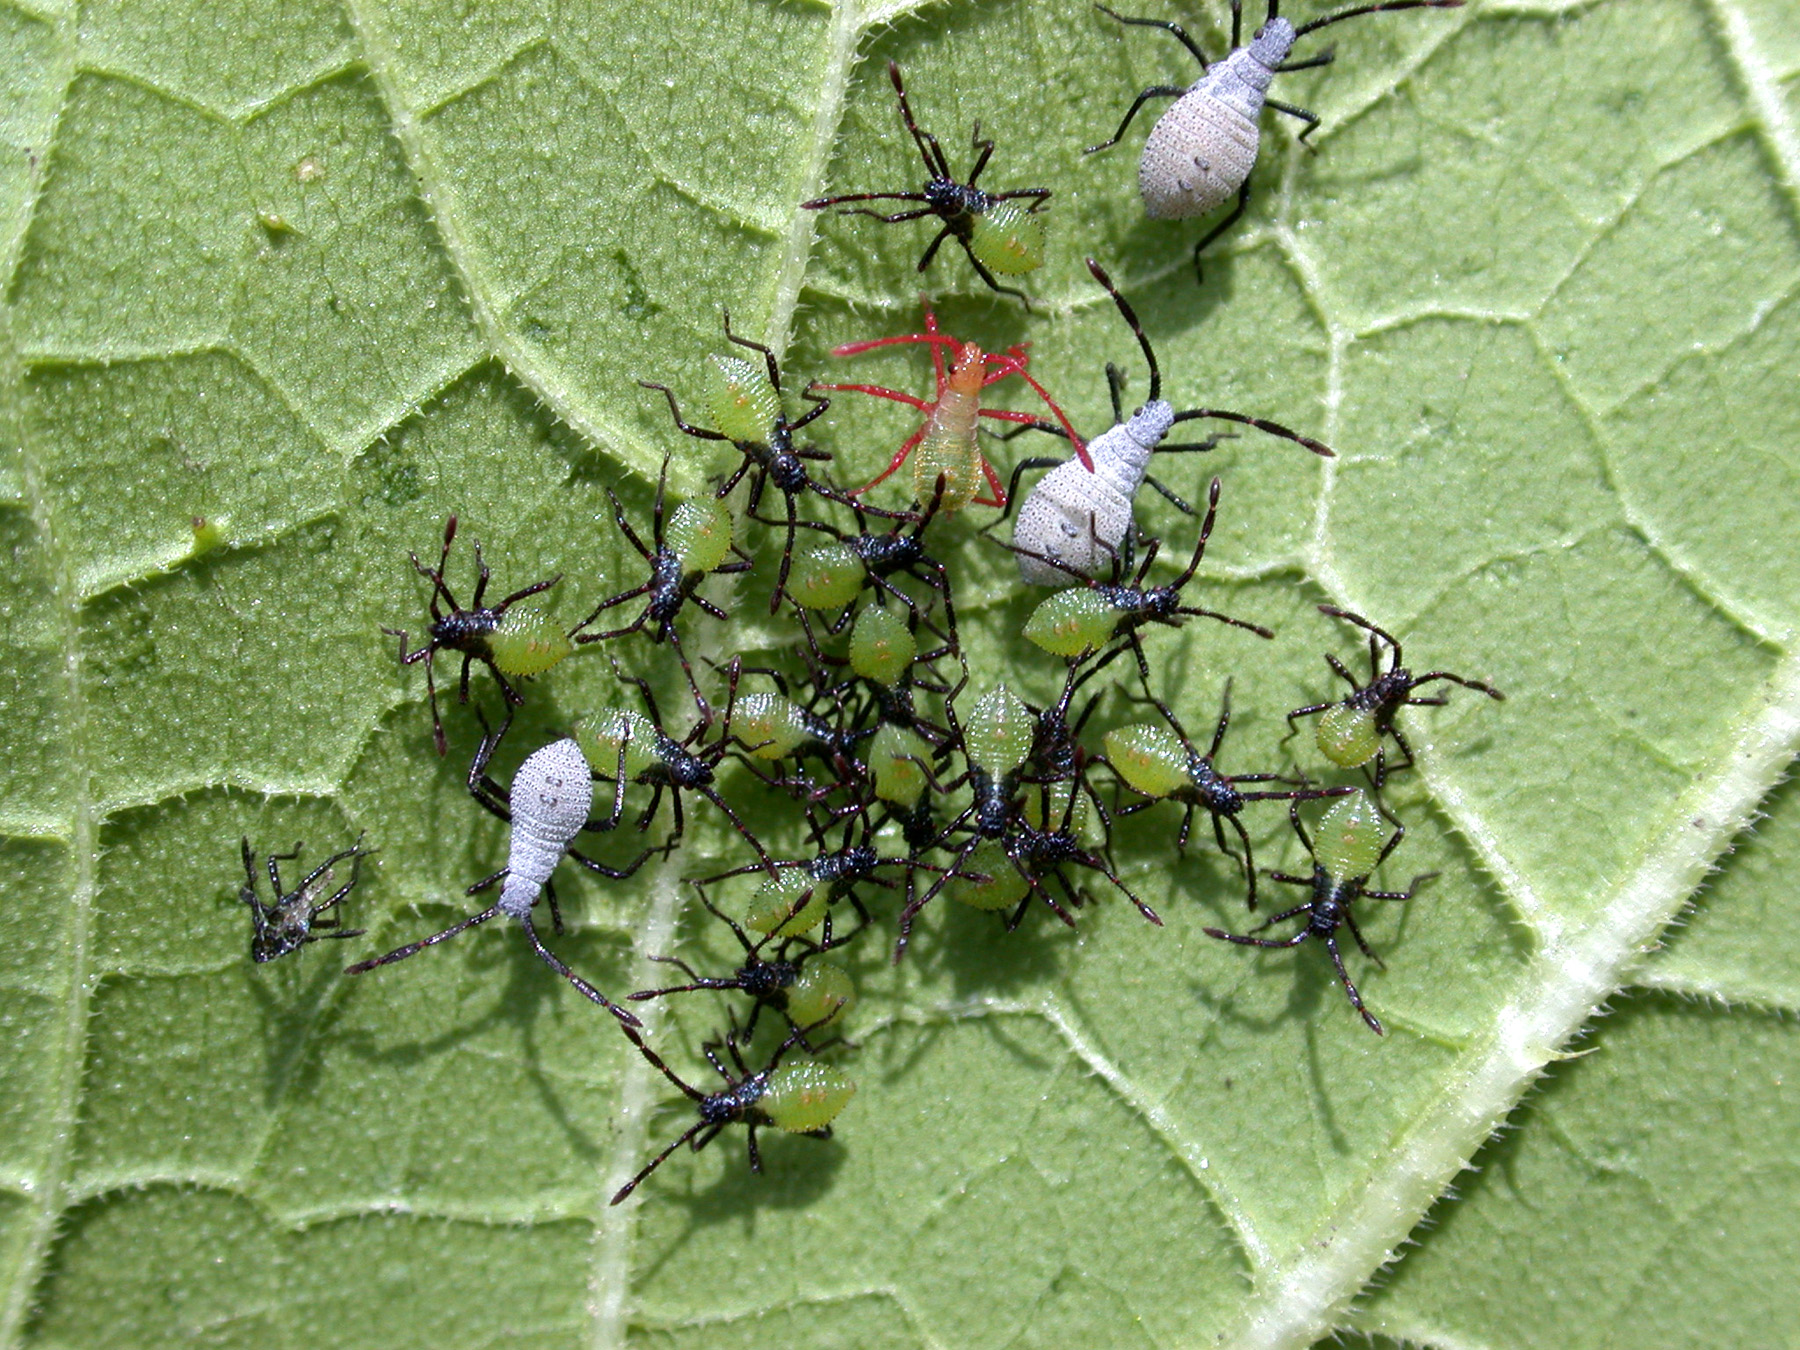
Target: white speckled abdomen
[
  {"x": 1197, "y": 156},
  {"x": 1201, "y": 150},
  {"x": 1081, "y": 518},
  {"x": 550, "y": 798}
]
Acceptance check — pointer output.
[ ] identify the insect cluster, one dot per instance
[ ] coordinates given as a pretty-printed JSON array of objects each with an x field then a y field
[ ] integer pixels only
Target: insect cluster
[{"x": 894, "y": 779}]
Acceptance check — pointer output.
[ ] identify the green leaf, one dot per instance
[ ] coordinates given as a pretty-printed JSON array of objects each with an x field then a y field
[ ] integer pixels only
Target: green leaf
[{"x": 319, "y": 276}]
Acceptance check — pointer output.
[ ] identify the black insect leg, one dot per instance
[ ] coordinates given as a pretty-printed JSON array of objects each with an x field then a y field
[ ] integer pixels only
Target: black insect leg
[
  {"x": 274, "y": 871},
  {"x": 1250, "y": 940},
  {"x": 586, "y": 990},
  {"x": 1231, "y": 219},
  {"x": 1324, "y": 58},
  {"x": 1311, "y": 119},
  {"x": 987, "y": 276},
  {"x": 413, "y": 948},
  {"x": 612, "y": 873},
  {"x": 932, "y": 248},
  {"x": 893, "y": 219},
  {"x": 1356, "y": 1002},
  {"x": 1154, "y": 91},
  {"x": 700, "y": 433},
  {"x": 1248, "y": 861}
]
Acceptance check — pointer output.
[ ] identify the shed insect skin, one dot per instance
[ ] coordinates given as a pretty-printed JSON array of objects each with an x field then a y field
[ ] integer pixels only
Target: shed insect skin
[
  {"x": 526, "y": 643},
  {"x": 676, "y": 570},
  {"x": 546, "y": 806},
  {"x": 799, "y": 1099},
  {"x": 287, "y": 925},
  {"x": 947, "y": 444},
  {"x": 1351, "y": 730},
  {"x": 1178, "y": 772},
  {"x": 1339, "y": 879},
  {"x": 1202, "y": 149},
  {"x": 759, "y": 429},
  {"x": 1081, "y": 518},
  {"x": 996, "y": 237}
]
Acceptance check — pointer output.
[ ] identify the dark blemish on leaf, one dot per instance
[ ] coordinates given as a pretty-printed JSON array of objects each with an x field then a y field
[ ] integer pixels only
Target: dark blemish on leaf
[
  {"x": 400, "y": 484},
  {"x": 396, "y": 478},
  {"x": 638, "y": 304}
]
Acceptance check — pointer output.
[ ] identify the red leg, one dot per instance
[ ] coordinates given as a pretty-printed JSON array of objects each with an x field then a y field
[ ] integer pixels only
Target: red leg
[
  {"x": 937, "y": 348},
  {"x": 879, "y": 391},
  {"x": 899, "y": 459},
  {"x": 1011, "y": 361},
  {"x": 856, "y": 348},
  {"x": 999, "y": 497},
  {"x": 1080, "y": 446}
]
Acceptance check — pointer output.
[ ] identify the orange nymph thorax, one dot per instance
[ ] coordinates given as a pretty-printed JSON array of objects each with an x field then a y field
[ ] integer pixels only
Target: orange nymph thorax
[{"x": 968, "y": 370}]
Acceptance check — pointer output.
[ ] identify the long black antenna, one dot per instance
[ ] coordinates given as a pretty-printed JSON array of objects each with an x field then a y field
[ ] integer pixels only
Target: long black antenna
[
  {"x": 1137, "y": 329},
  {"x": 1343, "y": 14}
]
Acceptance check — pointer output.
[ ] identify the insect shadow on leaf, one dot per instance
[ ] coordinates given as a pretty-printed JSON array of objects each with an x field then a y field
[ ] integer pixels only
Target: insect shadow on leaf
[{"x": 801, "y": 1098}]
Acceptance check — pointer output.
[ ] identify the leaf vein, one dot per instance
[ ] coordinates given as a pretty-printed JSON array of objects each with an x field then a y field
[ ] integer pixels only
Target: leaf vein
[{"x": 1570, "y": 977}]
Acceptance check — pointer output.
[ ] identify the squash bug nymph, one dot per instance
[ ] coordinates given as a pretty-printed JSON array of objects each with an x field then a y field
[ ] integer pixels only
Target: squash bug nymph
[
  {"x": 997, "y": 231},
  {"x": 629, "y": 747},
  {"x": 745, "y": 403},
  {"x": 808, "y": 992},
  {"x": 1350, "y": 730},
  {"x": 801, "y": 1098},
  {"x": 946, "y": 448},
  {"x": 1081, "y": 518},
  {"x": 1162, "y": 763},
  {"x": 547, "y": 806},
  {"x": 1349, "y": 848},
  {"x": 521, "y": 642},
  {"x": 1202, "y": 150},
  {"x": 691, "y": 544},
  {"x": 1085, "y": 618},
  {"x": 287, "y": 925}
]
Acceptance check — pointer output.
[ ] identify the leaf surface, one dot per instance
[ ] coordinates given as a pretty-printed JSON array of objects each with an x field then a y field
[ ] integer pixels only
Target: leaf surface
[{"x": 320, "y": 276}]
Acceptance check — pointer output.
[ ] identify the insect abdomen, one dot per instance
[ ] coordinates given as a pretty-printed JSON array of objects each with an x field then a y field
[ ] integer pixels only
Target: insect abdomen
[
  {"x": 1202, "y": 149},
  {"x": 550, "y": 798},
  {"x": 949, "y": 447},
  {"x": 528, "y": 642},
  {"x": 1081, "y": 518},
  {"x": 1008, "y": 239},
  {"x": 1074, "y": 516}
]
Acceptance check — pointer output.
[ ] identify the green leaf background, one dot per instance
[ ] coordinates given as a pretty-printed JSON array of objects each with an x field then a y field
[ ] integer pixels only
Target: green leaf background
[{"x": 322, "y": 274}]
